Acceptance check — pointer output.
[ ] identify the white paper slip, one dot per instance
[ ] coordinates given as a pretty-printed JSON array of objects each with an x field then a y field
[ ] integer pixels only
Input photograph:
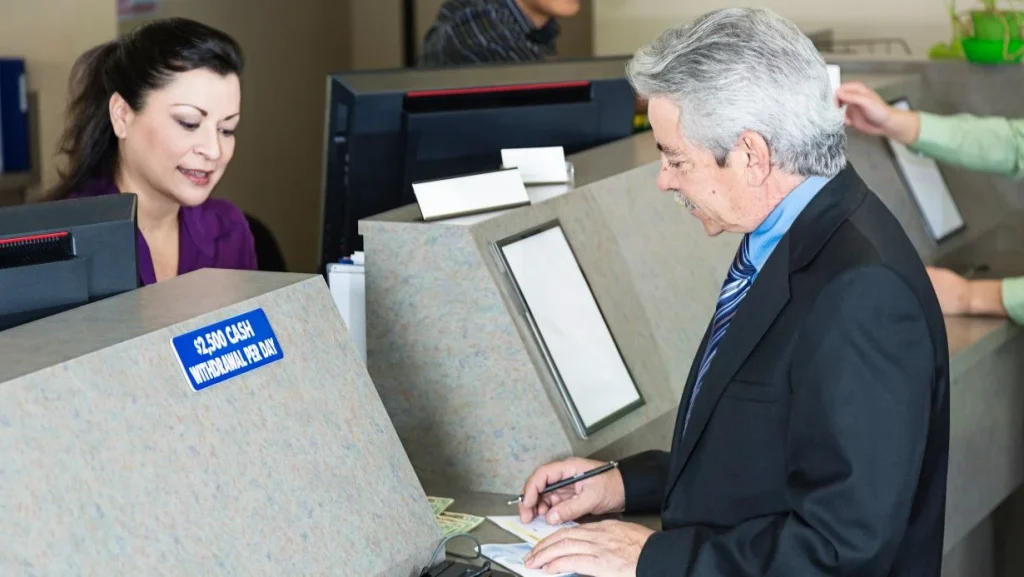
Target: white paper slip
[
  {"x": 474, "y": 194},
  {"x": 347, "y": 283},
  {"x": 532, "y": 532},
  {"x": 511, "y": 557},
  {"x": 835, "y": 76},
  {"x": 537, "y": 165}
]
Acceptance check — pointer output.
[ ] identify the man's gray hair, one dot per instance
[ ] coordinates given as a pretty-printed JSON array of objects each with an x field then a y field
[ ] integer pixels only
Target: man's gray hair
[{"x": 747, "y": 69}]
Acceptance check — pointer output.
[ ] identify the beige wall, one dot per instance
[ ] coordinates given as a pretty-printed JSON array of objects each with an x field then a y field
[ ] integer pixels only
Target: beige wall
[
  {"x": 51, "y": 34},
  {"x": 621, "y": 26},
  {"x": 376, "y": 34},
  {"x": 577, "y": 39}
]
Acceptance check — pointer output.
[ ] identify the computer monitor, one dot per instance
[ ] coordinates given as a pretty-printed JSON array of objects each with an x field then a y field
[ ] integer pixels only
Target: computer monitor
[
  {"x": 388, "y": 129},
  {"x": 55, "y": 256}
]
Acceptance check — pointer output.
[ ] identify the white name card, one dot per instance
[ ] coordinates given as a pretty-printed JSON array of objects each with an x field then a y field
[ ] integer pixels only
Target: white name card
[
  {"x": 538, "y": 165},
  {"x": 473, "y": 194},
  {"x": 537, "y": 193},
  {"x": 835, "y": 76}
]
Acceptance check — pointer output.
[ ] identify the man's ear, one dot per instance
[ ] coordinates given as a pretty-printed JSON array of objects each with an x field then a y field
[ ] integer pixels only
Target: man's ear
[
  {"x": 758, "y": 157},
  {"x": 120, "y": 115}
]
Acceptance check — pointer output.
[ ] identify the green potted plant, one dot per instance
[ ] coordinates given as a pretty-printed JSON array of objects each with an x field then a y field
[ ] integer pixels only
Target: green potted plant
[
  {"x": 986, "y": 36},
  {"x": 991, "y": 23}
]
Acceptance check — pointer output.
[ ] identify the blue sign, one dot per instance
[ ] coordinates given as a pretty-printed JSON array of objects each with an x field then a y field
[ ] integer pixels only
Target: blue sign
[{"x": 227, "y": 349}]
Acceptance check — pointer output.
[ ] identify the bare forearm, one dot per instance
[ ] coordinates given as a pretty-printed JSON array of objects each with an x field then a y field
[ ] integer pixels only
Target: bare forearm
[
  {"x": 904, "y": 126},
  {"x": 985, "y": 298}
]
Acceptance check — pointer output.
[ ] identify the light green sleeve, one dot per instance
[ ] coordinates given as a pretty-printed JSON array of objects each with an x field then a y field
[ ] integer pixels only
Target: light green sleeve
[
  {"x": 1013, "y": 298},
  {"x": 983, "y": 144}
]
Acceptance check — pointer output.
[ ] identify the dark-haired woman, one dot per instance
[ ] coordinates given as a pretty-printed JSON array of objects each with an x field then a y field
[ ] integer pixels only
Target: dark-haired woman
[{"x": 154, "y": 113}]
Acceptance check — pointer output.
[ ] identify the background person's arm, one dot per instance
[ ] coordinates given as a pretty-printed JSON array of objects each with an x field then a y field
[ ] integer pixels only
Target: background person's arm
[
  {"x": 1012, "y": 298},
  {"x": 983, "y": 144},
  {"x": 981, "y": 297}
]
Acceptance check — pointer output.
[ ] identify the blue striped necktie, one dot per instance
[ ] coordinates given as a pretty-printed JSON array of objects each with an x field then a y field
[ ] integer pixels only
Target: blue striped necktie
[{"x": 737, "y": 283}]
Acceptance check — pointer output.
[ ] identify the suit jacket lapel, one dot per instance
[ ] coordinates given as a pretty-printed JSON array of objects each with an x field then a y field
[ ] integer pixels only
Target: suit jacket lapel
[
  {"x": 762, "y": 304},
  {"x": 756, "y": 312},
  {"x": 687, "y": 392}
]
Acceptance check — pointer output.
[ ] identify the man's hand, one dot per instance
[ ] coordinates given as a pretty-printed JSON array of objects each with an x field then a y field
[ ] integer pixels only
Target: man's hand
[
  {"x": 597, "y": 495},
  {"x": 605, "y": 549}
]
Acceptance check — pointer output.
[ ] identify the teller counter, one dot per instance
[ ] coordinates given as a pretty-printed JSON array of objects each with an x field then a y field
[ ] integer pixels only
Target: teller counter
[
  {"x": 469, "y": 386},
  {"x": 219, "y": 423}
]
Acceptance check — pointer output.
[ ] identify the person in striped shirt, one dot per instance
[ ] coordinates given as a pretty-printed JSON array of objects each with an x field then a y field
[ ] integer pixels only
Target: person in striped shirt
[{"x": 494, "y": 31}]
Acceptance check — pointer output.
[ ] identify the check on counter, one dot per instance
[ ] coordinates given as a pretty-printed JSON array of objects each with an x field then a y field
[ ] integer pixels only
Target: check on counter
[
  {"x": 533, "y": 532},
  {"x": 511, "y": 557}
]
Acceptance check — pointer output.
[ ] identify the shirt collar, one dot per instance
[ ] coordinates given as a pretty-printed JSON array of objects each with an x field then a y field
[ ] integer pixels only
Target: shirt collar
[
  {"x": 544, "y": 35},
  {"x": 767, "y": 236}
]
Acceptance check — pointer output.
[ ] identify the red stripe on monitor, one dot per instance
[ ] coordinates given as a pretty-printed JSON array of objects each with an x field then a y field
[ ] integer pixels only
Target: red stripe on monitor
[
  {"x": 497, "y": 89},
  {"x": 33, "y": 237}
]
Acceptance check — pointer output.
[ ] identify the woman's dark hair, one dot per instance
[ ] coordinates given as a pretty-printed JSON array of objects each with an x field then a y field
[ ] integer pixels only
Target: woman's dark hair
[{"x": 134, "y": 65}]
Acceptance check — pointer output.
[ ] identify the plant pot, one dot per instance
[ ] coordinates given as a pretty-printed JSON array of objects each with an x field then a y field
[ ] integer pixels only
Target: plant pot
[
  {"x": 991, "y": 51},
  {"x": 993, "y": 25}
]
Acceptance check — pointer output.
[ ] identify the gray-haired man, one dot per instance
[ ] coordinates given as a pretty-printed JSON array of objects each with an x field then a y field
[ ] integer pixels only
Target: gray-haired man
[{"x": 812, "y": 437}]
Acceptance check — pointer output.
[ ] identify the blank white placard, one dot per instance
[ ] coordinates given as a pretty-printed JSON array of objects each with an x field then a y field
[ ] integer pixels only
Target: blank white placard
[
  {"x": 578, "y": 343},
  {"x": 929, "y": 189},
  {"x": 542, "y": 165},
  {"x": 471, "y": 194}
]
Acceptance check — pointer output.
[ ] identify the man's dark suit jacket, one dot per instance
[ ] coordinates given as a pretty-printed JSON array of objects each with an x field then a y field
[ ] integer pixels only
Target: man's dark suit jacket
[{"x": 819, "y": 440}]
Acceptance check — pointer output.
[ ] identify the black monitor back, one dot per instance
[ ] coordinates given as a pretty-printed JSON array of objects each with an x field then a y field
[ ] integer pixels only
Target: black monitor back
[
  {"x": 388, "y": 129},
  {"x": 55, "y": 256}
]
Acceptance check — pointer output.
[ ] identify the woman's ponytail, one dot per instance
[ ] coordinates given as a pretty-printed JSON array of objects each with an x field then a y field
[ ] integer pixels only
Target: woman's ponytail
[{"x": 88, "y": 140}]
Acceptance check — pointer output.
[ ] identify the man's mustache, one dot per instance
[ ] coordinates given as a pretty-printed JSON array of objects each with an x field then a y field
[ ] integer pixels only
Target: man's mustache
[{"x": 684, "y": 201}]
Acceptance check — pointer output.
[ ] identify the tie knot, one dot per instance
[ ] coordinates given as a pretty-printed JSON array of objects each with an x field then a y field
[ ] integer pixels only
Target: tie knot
[{"x": 742, "y": 265}]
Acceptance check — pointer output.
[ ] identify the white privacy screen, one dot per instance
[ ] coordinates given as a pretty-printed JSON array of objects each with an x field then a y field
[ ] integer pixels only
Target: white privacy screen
[
  {"x": 587, "y": 365},
  {"x": 929, "y": 189}
]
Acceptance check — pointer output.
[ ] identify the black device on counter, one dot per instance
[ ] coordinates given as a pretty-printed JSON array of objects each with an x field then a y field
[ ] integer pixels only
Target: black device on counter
[
  {"x": 388, "y": 129},
  {"x": 55, "y": 256},
  {"x": 457, "y": 569}
]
